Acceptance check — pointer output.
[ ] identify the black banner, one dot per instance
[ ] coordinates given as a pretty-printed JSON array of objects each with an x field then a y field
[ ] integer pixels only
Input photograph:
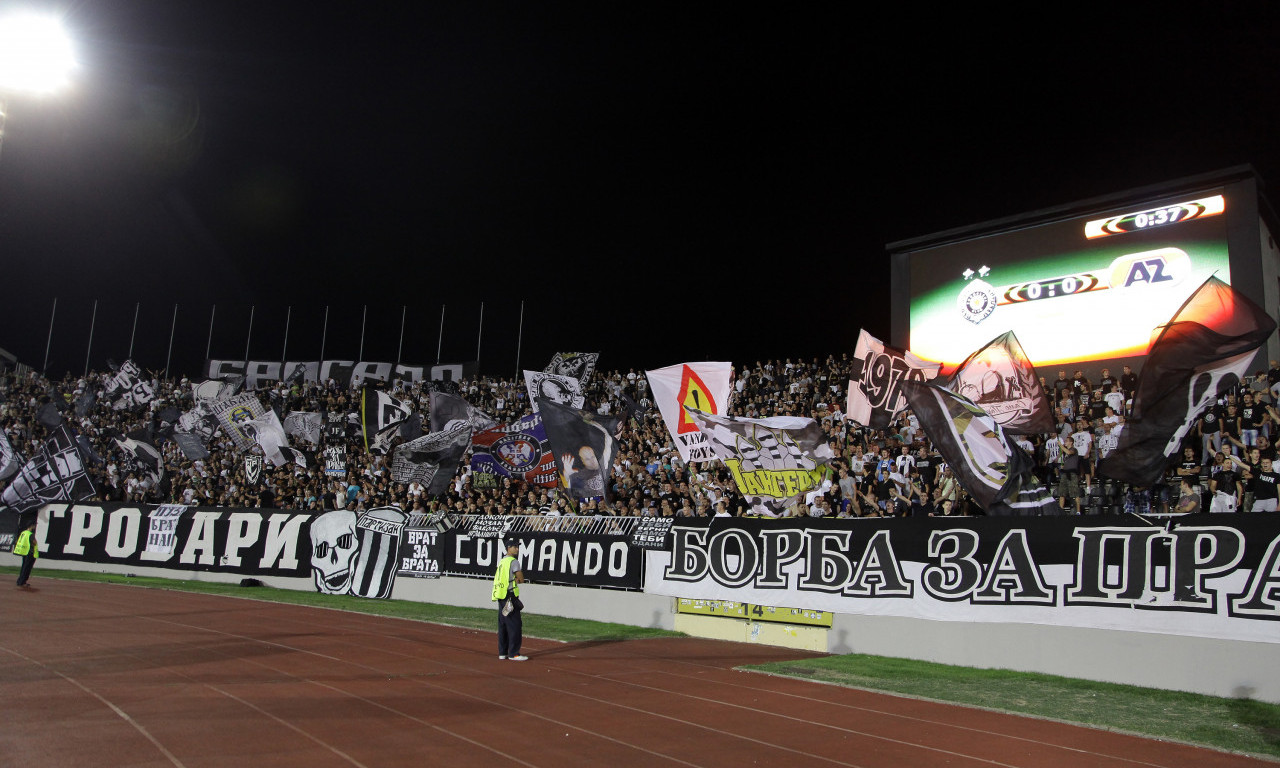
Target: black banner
[
  {"x": 652, "y": 533},
  {"x": 248, "y": 541},
  {"x": 421, "y": 553},
  {"x": 346, "y": 373},
  {"x": 549, "y": 556}
]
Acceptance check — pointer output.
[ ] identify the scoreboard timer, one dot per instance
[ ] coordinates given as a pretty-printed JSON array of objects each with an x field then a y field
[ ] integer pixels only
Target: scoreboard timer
[{"x": 1155, "y": 217}]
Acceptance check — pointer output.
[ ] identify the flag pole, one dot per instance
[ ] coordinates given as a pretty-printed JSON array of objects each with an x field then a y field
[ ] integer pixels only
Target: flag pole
[
  {"x": 136, "y": 306},
  {"x": 209, "y": 346},
  {"x": 519, "y": 339},
  {"x": 92, "y": 322},
  {"x": 480, "y": 334},
  {"x": 49, "y": 343},
  {"x": 440, "y": 341},
  {"x": 404, "y": 309},
  {"x": 249, "y": 337},
  {"x": 324, "y": 334},
  {"x": 284, "y": 354},
  {"x": 172, "y": 327},
  {"x": 363, "y": 319}
]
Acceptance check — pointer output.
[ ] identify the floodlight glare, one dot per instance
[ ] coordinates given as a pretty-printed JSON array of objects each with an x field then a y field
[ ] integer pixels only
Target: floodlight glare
[{"x": 36, "y": 55}]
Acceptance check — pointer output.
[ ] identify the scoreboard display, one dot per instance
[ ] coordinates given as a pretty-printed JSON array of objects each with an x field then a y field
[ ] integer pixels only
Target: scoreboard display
[{"x": 1075, "y": 290}]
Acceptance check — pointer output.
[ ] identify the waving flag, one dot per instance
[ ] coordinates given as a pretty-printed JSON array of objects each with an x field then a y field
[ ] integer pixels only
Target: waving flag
[
  {"x": 230, "y": 413},
  {"x": 564, "y": 390},
  {"x": 879, "y": 371},
  {"x": 1001, "y": 379},
  {"x": 10, "y": 460},
  {"x": 127, "y": 389},
  {"x": 774, "y": 461},
  {"x": 447, "y": 410},
  {"x": 988, "y": 464},
  {"x": 1200, "y": 355},
  {"x": 378, "y": 411},
  {"x": 517, "y": 450},
  {"x": 431, "y": 459},
  {"x": 578, "y": 365},
  {"x": 704, "y": 387},
  {"x": 584, "y": 446},
  {"x": 56, "y": 474}
]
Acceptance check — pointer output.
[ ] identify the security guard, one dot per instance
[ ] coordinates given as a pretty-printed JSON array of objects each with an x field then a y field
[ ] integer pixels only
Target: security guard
[
  {"x": 26, "y": 548},
  {"x": 506, "y": 593}
]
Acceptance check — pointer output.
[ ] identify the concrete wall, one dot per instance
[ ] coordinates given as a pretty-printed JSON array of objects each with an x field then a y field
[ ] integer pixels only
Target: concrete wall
[{"x": 1200, "y": 665}]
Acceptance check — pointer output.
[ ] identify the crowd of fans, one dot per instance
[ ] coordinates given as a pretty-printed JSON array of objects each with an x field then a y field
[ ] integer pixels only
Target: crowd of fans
[{"x": 1225, "y": 464}]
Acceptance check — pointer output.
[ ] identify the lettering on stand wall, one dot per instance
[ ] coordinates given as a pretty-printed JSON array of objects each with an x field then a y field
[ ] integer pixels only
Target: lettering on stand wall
[
  {"x": 1203, "y": 575},
  {"x": 252, "y": 542}
]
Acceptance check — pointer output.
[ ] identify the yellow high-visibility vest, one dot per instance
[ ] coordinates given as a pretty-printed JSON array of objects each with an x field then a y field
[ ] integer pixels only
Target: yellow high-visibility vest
[
  {"x": 502, "y": 579},
  {"x": 26, "y": 543}
]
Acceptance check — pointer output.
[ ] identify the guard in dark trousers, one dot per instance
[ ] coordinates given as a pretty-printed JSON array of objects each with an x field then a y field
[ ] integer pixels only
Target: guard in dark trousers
[
  {"x": 25, "y": 547},
  {"x": 506, "y": 593}
]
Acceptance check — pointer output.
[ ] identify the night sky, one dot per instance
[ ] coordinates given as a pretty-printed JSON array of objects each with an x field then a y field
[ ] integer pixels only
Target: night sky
[{"x": 657, "y": 182}]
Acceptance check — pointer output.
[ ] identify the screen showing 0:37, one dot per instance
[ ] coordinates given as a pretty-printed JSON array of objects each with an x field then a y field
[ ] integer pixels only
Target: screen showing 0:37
[{"x": 1075, "y": 291}]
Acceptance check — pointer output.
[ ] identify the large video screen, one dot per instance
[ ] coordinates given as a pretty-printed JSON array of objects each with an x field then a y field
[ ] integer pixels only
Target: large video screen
[{"x": 1073, "y": 291}]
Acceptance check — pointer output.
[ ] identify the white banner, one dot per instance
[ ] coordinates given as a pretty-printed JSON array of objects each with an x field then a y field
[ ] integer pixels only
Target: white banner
[
  {"x": 701, "y": 386},
  {"x": 1199, "y": 579},
  {"x": 163, "y": 531}
]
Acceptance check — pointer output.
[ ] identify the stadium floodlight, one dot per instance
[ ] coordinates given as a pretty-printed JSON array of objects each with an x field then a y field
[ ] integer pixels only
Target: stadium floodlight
[
  {"x": 36, "y": 57},
  {"x": 36, "y": 54}
]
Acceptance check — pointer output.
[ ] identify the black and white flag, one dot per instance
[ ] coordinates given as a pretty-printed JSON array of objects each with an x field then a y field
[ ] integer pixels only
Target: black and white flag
[
  {"x": 304, "y": 425},
  {"x": 335, "y": 426},
  {"x": 584, "y": 446},
  {"x": 879, "y": 370},
  {"x": 253, "y": 468},
  {"x": 564, "y": 390},
  {"x": 1202, "y": 353},
  {"x": 10, "y": 460},
  {"x": 577, "y": 365},
  {"x": 85, "y": 402},
  {"x": 989, "y": 465},
  {"x": 378, "y": 411},
  {"x": 56, "y": 474},
  {"x": 232, "y": 413},
  {"x": 449, "y": 411},
  {"x": 293, "y": 456},
  {"x": 213, "y": 390},
  {"x": 191, "y": 446},
  {"x": 431, "y": 459},
  {"x": 127, "y": 390},
  {"x": 268, "y": 432},
  {"x": 1001, "y": 380},
  {"x": 141, "y": 458},
  {"x": 49, "y": 415}
]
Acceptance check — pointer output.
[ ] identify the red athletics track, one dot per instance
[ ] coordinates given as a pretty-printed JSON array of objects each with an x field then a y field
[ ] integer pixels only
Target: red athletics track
[{"x": 105, "y": 675}]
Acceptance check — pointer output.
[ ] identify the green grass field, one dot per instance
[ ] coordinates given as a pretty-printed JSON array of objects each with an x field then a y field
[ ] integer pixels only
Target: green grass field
[{"x": 1240, "y": 725}]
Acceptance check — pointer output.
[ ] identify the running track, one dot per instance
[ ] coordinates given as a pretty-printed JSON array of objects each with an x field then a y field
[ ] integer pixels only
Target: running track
[{"x": 105, "y": 675}]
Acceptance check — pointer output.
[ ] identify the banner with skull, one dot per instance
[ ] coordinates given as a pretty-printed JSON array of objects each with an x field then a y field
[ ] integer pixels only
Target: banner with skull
[
  {"x": 564, "y": 390},
  {"x": 579, "y": 365},
  {"x": 357, "y": 553},
  {"x": 1202, "y": 353}
]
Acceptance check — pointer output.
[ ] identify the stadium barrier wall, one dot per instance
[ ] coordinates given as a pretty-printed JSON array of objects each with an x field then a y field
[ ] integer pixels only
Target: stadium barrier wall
[{"x": 275, "y": 546}]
